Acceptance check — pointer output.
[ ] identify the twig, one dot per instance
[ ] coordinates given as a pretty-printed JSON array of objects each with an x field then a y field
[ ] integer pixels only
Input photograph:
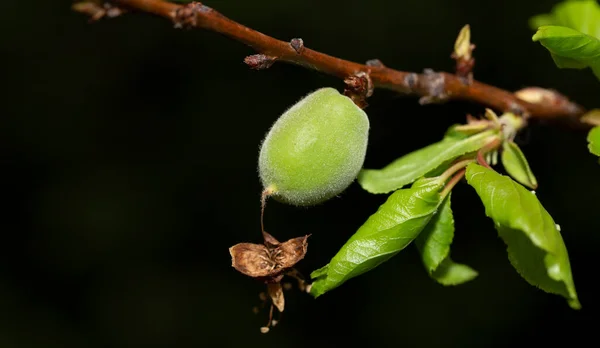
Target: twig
[{"x": 431, "y": 86}]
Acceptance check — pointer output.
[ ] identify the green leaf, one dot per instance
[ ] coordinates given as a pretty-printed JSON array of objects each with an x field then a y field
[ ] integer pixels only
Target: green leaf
[
  {"x": 571, "y": 33},
  {"x": 434, "y": 246},
  {"x": 416, "y": 164},
  {"x": 516, "y": 164},
  {"x": 535, "y": 246},
  {"x": 541, "y": 20},
  {"x": 594, "y": 140},
  {"x": 582, "y": 16},
  {"x": 570, "y": 48},
  {"x": 394, "y": 226}
]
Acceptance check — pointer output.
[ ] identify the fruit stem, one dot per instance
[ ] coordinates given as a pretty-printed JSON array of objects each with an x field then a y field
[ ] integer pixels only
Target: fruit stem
[{"x": 263, "y": 204}]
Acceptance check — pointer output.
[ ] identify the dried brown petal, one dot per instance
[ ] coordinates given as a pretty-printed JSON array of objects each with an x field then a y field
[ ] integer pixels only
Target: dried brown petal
[
  {"x": 276, "y": 293},
  {"x": 296, "y": 275},
  {"x": 262, "y": 296},
  {"x": 252, "y": 259},
  {"x": 290, "y": 252},
  {"x": 268, "y": 262},
  {"x": 269, "y": 239},
  {"x": 276, "y": 278}
]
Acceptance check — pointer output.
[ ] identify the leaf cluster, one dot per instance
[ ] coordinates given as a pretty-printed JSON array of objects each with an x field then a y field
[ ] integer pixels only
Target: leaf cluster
[{"x": 418, "y": 209}]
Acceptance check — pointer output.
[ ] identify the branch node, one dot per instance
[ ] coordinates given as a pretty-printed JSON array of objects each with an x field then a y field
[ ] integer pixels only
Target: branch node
[
  {"x": 259, "y": 61},
  {"x": 186, "y": 16},
  {"x": 435, "y": 86},
  {"x": 549, "y": 97},
  {"x": 298, "y": 45},
  {"x": 375, "y": 63},
  {"x": 517, "y": 109},
  {"x": 464, "y": 70},
  {"x": 411, "y": 80},
  {"x": 359, "y": 87}
]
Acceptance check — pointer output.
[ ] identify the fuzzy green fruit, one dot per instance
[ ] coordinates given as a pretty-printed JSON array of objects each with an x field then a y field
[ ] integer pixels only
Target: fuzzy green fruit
[{"x": 315, "y": 149}]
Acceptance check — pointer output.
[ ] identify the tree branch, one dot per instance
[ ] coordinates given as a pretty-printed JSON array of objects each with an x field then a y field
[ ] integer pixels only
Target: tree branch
[{"x": 430, "y": 86}]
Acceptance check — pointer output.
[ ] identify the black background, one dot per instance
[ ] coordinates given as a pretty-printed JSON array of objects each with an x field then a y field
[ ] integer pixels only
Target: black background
[{"x": 128, "y": 166}]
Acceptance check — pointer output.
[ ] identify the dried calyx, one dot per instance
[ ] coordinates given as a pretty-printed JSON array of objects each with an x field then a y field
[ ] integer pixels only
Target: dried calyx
[{"x": 270, "y": 262}]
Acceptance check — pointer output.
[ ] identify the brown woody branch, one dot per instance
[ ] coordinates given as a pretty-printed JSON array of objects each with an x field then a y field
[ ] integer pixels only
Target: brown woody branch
[{"x": 430, "y": 86}]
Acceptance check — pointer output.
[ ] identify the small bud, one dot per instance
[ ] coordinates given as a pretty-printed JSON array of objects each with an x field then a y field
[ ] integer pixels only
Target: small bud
[
  {"x": 259, "y": 61},
  {"x": 376, "y": 63},
  {"x": 298, "y": 45},
  {"x": 463, "y": 54},
  {"x": 462, "y": 45},
  {"x": 264, "y": 329},
  {"x": 537, "y": 95}
]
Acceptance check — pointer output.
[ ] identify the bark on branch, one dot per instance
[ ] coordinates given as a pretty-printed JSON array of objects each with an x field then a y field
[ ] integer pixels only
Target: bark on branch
[{"x": 431, "y": 86}]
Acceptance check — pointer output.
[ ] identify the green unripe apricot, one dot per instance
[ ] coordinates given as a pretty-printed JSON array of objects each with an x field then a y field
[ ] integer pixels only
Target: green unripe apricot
[{"x": 315, "y": 149}]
